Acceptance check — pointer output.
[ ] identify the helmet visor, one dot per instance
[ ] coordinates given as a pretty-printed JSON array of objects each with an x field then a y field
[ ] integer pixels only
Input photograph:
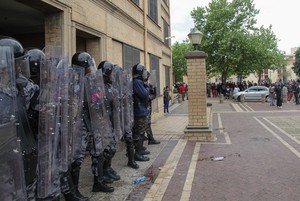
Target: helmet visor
[
  {"x": 22, "y": 65},
  {"x": 92, "y": 66},
  {"x": 145, "y": 75}
]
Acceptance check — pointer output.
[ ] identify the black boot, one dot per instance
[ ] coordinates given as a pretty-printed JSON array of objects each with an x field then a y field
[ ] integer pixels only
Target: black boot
[
  {"x": 67, "y": 188},
  {"x": 130, "y": 153},
  {"x": 75, "y": 172},
  {"x": 138, "y": 156},
  {"x": 107, "y": 169},
  {"x": 151, "y": 139},
  {"x": 100, "y": 186},
  {"x": 144, "y": 151},
  {"x": 107, "y": 179}
]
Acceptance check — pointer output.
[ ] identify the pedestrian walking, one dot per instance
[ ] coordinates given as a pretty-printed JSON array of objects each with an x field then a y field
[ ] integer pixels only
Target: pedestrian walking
[
  {"x": 167, "y": 99},
  {"x": 278, "y": 92},
  {"x": 272, "y": 95},
  {"x": 182, "y": 91}
]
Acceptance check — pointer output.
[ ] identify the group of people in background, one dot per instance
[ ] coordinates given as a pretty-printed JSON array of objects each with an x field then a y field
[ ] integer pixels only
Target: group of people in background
[
  {"x": 216, "y": 89},
  {"x": 52, "y": 112},
  {"x": 182, "y": 89},
  {"x": 277, "y": 90}
]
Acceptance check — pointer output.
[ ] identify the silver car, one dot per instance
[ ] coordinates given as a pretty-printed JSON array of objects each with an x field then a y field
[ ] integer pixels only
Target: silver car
[{"x": 253, "y": 93}]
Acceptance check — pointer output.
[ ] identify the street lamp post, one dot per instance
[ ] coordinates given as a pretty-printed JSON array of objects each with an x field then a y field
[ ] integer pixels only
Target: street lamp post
[{"x": 195, "y": 37}]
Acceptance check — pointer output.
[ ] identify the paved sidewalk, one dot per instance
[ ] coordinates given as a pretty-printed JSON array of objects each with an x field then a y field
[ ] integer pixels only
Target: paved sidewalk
[{"x": 257, "y": 153}]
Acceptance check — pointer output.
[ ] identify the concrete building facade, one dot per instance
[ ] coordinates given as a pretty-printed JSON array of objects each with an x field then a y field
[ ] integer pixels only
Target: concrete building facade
[{"x": 125, "y": 32}]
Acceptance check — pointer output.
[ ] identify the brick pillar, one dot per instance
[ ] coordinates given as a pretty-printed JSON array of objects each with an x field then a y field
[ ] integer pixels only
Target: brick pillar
[
  {"x": 199, "y": 126},
  {"x": 58, "y": 31},
  {"x": 53, "y": 29}
]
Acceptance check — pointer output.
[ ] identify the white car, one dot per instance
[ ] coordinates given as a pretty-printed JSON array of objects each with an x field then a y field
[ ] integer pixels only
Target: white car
[{"x": 253, "y": 93}]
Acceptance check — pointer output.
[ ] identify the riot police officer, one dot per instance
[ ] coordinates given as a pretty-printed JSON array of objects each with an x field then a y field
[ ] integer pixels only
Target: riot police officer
[
  {"x": 140, "y": 102},
  {"x": 12, "y": 179},
  {"x": 85, "y": 61},
  {"x": 36, "y": 60},
  {"x": 109, "y": 148},
  {"x": 123, "y": 108},
  {"x": 25, "y": 90}
]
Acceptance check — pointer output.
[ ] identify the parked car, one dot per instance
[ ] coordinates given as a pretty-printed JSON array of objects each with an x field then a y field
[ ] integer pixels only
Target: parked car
[{"x": 253, "y": 93}]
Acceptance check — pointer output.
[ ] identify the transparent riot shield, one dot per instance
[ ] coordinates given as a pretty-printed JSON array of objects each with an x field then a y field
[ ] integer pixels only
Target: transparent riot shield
[
  {"x": 117, "y": 88},
  {"x": 100, "y": 122},
  {"x": 12, "y": 178},
  {"x": 153, "y": 86},
  {"x": 127, "y": 105},
  {"x": 76, "y": 90},
  {"x": 49, "y": 124},
  {"x": 64, "y": 153}
]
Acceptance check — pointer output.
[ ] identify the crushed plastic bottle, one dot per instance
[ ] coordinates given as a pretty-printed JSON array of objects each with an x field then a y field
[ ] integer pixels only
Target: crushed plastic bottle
[
  {"x": 139, "y": 180},
  {"x": 220, "y": 158}
]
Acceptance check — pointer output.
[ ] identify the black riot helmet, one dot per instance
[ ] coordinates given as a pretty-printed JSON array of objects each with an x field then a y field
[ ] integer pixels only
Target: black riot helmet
[
  {"x": 20, "y": 55},
  {"x": 36, "y": 60},
  {"x": 106, "y": 67},
  {"x": 139, "y": 71},
  {"x": 84, "y": 60},
  {"x": 16, "y": 45}
]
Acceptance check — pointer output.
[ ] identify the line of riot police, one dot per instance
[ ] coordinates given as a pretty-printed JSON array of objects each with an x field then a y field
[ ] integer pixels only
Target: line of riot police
[{"x": 53, "y": 112}]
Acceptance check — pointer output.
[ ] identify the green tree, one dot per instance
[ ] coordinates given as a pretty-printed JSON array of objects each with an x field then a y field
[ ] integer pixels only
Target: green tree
[
  {"x": 268, "y": 56},
  {"x": 178, "y": 59},
  {"x": 233, "y": 44},
  {"x": 296, "y": 66}
]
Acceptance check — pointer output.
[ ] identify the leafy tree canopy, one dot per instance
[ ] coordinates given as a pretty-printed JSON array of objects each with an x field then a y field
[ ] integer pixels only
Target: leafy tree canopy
[
  {"x": 296, "y": 67},
  {"x": 235, "y": 46},
  {"x": 178, "y": 59}
]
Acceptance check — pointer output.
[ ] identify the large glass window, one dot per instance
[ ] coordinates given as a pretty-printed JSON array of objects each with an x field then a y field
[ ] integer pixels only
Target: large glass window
[
  {"x": 152, "y": 10},
  {"x": 136, "y": 2},
  {"x": 131, "y": 56},
  {"x": 166, "y": 34},
  {"x": 154, "y": 66}
]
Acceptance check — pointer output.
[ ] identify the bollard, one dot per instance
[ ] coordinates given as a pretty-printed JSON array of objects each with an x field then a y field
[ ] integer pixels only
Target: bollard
[
  {"x": 221, "y": 98},
  {"x": 263, "y": 98},
  {"x": 242, "y": 98}
]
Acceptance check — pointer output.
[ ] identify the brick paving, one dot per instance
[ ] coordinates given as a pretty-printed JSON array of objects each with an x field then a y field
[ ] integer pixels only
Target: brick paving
[{"x": 260, "y": 145}]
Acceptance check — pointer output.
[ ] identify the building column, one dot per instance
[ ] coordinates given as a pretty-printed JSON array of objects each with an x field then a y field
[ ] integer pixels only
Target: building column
[{"x": 200, "y": 117}]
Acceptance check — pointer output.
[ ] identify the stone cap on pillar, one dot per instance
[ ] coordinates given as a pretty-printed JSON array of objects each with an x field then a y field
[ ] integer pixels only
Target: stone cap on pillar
[{"x": 196, "y": 55}]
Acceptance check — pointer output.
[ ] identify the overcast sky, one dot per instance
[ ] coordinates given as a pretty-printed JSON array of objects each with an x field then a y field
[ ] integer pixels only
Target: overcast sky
[{"x": 282, "y": 15}]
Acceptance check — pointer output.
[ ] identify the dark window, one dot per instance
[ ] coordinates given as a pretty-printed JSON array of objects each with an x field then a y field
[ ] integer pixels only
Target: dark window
[
  {"x": 131, "y": 56},
  {"x": 167, "y": 76},
  {"x": 136, "y": 2},
  {"x": 154, "y": 66},
  {"x": 166, "y": 34},
  {"x": 152, "y": 12}
]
